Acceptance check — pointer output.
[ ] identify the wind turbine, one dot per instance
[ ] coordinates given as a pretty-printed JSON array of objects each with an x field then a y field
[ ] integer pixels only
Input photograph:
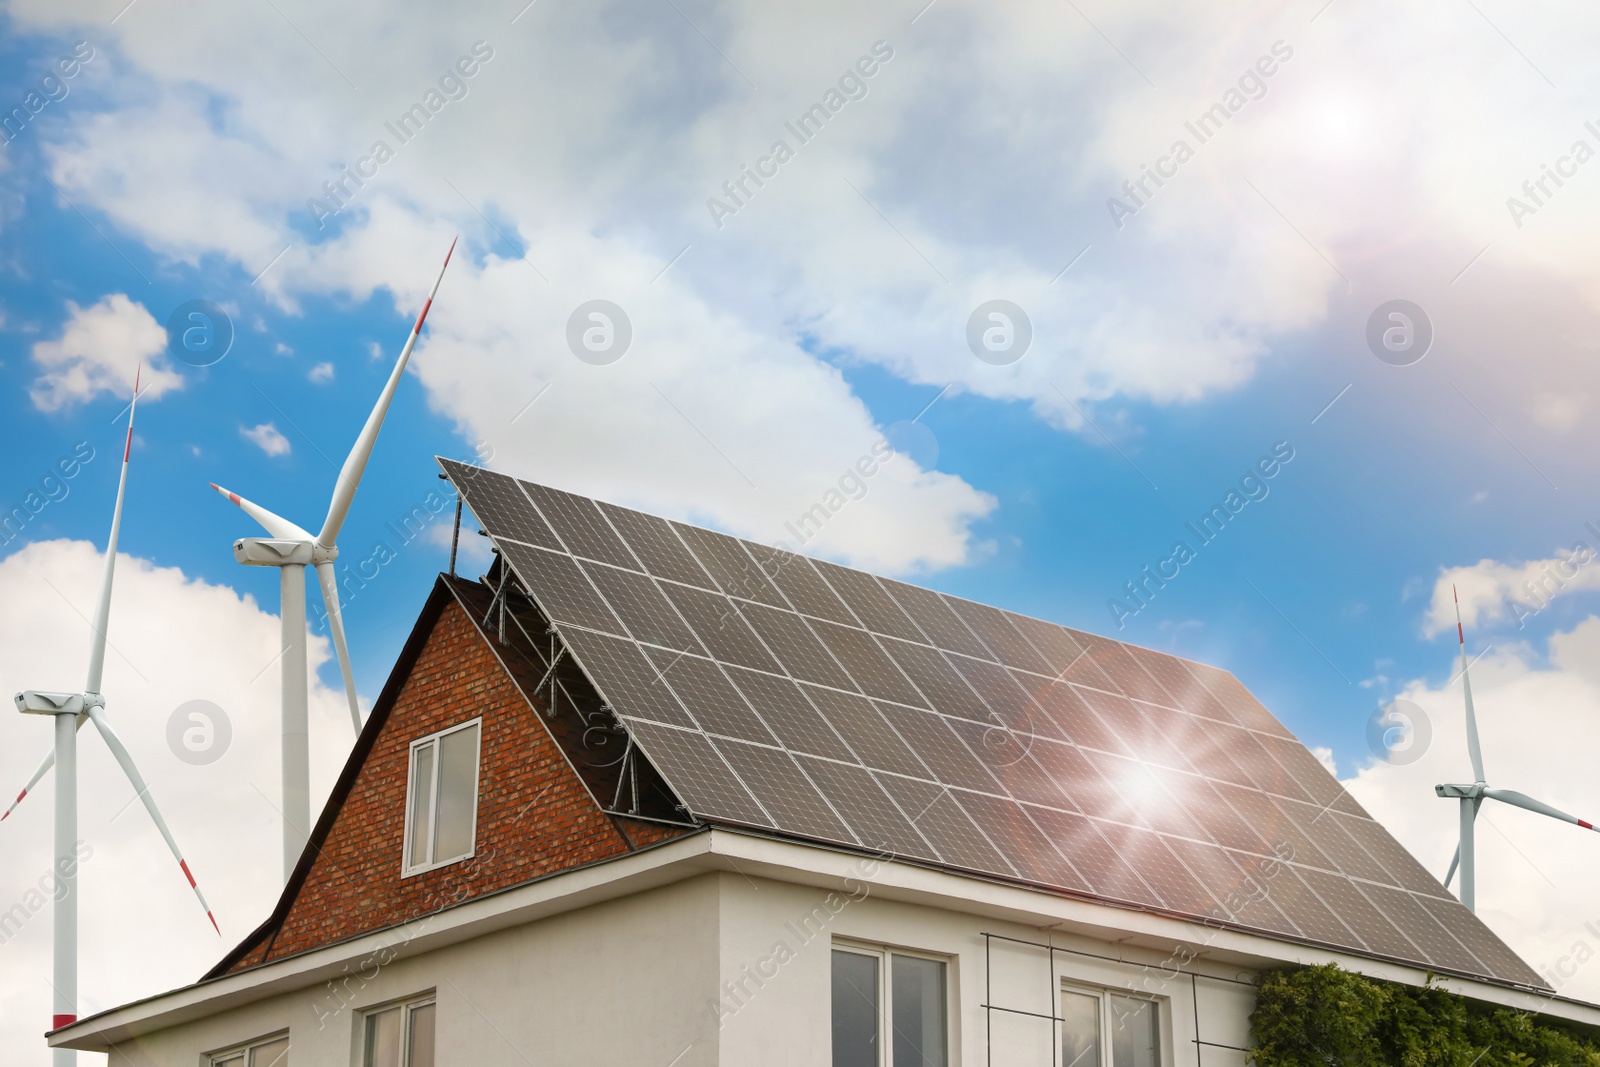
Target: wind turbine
[
  {"x": 1472, "y": 796},
  {"x": 70, "y": 711},
  {"x": 291, "y": 548}
]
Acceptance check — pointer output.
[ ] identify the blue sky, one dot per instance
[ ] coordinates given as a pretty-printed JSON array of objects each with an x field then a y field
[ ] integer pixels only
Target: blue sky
[{"x": 1227, "y": 316}]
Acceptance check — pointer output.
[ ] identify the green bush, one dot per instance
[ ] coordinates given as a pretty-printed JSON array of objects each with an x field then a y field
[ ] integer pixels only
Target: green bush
[{"x": 1329, "y": 1017}]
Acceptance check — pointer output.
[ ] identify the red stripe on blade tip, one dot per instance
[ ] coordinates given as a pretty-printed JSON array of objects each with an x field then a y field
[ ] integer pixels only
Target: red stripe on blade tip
[
  {"x": 423, "y": 315},
  {"x": 185, "y": 865},
  {"x": 1585, "y": 825},
  {"x": 58, "y": 1021}
]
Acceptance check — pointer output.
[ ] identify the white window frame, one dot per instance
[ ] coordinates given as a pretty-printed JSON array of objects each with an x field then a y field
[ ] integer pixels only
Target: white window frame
[
  {"x": 245, "y": 1048},
  {"x": 1162, "y": 1006},
  {"x": 407, "y": 1005},
  {"x": 884, "y": 953},
  {"x": 406, "y": 867}
]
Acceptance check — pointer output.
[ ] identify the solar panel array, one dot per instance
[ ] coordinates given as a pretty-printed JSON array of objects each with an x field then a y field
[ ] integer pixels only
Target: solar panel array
[{"x": 794, "y": 695}]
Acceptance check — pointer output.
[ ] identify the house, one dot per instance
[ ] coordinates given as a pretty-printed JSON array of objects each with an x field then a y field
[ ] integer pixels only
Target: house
[{"x": 647, "y": 794}]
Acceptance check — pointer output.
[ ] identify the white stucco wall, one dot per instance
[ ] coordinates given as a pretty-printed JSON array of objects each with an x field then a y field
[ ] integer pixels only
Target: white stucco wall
[
  {"x": 718, "y": 970},
  {"x": 622, "y": 982},
  {"x": 786, "y": 931}
]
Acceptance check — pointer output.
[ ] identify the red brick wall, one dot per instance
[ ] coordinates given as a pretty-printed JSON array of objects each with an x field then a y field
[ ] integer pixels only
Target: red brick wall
[{"x": 534, "y": 815}]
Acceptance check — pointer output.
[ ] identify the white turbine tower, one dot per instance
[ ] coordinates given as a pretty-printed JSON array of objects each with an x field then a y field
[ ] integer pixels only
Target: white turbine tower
[
  {"x": 70, "y": 711},
  {"x": 1471, "y": 797},
  {"x": 291, "y": 548}
]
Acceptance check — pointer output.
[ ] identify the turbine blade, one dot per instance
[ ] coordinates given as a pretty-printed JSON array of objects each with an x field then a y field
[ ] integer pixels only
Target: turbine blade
[
  {"x": 344, "y": 490},
  {"x": 102, "y": 608},
  {"x": 330, "y": 597},
  {"x": 44, "y": 765},
  {"x": 1473, "y": 750},
  {"x": 1455, "y": 861},
  {"x": 276, "y": 525},
  {"x": 114, "y": 743},
  {"x": 1522, "y": 800}
]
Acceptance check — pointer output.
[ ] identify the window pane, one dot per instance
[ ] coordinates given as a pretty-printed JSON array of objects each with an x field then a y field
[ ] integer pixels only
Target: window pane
[
  {"x": 1134, "y": 1038},
  {"x": 420, "y": 1044},
  {"x": 383, "y": 1039},
  {"x": 855, "y": 1010},
  {"x": 236, "y": 1060},
  {"x": 1080, "y": 1029},
  {"x": 458, "y": 787},
  {"x": 919, "y": 1026},
  {"x": 272, "y": 1054},
  {"x": 421, "y": 804}
]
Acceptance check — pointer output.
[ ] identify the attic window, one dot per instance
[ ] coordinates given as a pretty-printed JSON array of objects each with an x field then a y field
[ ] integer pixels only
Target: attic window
[{"x": 442, "y": 798}]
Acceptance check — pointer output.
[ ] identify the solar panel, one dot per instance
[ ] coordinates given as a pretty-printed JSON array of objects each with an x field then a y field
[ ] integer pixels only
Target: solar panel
[
  {"x": 720, "y": 627},
  {"x": 1007, "y": 825},
  {"x": 798, "y": 696},
  {"x": 657, "y": 546},
  {"x": 934, "y": 678},
  {"x": 1107, "y": 871},
  {"x": 935, "y": 619},
  {"x": 579, "y": 524},
  {"x": 868, "y": 602},
  {"x": 871, "y": 740},
  {"x": 648, "y": 616},
  {"x": 699, "y": 774},
  {"x": 878, "y": 824},
  {"x": 789, "y": 715},
  {"x": 701, "y": 687},
  {"x": 735, "y": 570},
  {"x": 787, "y": 794},
  {"x": 960, "y": 842},
  {"x": 800, "y": 583},
  {"x": 787, "y": 635},
  {"x": 499, "y": 502},
  {"x": 999, "y": 636}
]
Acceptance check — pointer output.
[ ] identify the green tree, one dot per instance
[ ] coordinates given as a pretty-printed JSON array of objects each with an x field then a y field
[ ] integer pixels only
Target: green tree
[{"x": 1329, "y": 1017}]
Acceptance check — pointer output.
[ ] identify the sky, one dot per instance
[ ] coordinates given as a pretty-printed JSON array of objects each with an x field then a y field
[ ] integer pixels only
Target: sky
[{"x": 1345, "y": 243}]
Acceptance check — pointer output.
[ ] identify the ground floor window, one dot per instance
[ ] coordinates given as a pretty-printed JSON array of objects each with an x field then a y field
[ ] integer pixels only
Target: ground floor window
[
  {"x": 400, "y": 1035},
  {"x": 890, "y": 1009},
  {"x": 268, "y": 1052},
  {"x": 1100, "y": 1028}
]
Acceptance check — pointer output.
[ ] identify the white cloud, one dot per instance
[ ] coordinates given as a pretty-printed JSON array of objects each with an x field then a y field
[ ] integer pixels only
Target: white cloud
[
  {"x": 174, "y": 639},
  {"x": 322, "y": 372},
  {"x": 1492, "y": 591},
  {"x": 1324, "y": 756},
  {"x": 100, "y": 349},
  {"x": 868, "y": 244},
  {"x": 1540, "y": 728},
  {"x": 282, "y": 349},
  {"x": 267, "y": 438}
]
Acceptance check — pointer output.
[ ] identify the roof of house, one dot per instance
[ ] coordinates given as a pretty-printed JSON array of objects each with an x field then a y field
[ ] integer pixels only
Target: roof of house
[{"x": 795, "y": 697}]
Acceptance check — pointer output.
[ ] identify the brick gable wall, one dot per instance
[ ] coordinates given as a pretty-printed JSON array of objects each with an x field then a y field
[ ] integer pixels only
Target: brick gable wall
[{"x": 534, "y": 815}]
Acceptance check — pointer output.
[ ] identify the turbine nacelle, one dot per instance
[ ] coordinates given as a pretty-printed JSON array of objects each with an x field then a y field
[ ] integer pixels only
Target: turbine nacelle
[
  {"x": 1475, "y": 791},
  {"x": 36, "y": 702},
  {"x": 280, "y": 552}
]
